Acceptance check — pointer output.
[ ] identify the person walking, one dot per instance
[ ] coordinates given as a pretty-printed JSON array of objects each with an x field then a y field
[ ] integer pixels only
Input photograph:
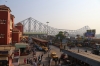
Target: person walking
[
  {"x": 43, "y": 64},
  {"x": 25, "y": 60},
  {"x": 34, "y": 64},
  {"x": 38, "y": 57},
  {"x": 59, "y": 60},
  {"x": 49, "y": 62},
  {"x": 56, "y": 61},
  {"x": 41, "y": 56}
]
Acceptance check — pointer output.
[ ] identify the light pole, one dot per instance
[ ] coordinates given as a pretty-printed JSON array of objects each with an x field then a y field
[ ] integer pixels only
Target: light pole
[
  {"x": 47, "y": 38},
  {"x": 47, "y": 29}
]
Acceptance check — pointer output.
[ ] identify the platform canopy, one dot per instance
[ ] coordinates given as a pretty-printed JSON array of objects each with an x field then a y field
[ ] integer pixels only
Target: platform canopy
[
  {"x": 21, "y": 45},
  {"x": 40, "y": 40}
]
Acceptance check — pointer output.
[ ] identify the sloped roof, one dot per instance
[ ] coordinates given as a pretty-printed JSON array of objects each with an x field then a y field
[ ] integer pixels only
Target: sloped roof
[
  {"x": 15, "y": 29},
  {"x": 12, "y": 16},
  {"x": 4, "y": 7},
  {"x": 19, "y": 24}
]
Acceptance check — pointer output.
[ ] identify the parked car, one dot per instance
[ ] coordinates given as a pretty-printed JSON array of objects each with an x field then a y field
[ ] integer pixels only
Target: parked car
[{"x": 38, "y": 47}]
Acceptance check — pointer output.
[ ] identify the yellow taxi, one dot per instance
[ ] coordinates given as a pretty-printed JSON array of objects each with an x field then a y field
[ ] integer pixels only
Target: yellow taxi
[
  {"x": 54, "y": 55},
  {"x": 44, "y": 48}
]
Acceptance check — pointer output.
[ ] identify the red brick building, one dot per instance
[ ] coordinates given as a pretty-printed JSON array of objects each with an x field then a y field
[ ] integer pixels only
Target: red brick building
[
  {"x": 6, "y": 22},
  {"x": 15, "y": 35},
  {"x": 7, "y": 26},
  {"x": 19, "y": 26}
]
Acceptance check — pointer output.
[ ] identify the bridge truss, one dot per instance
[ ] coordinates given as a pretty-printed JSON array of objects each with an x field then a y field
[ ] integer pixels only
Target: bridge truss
[{"x": 32, "y": 25}]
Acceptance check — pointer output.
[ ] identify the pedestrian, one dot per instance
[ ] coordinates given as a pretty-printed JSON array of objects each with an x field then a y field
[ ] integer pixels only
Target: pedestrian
[
  {"x": 59, "y": 60},
  {"x": 60, "y": 49},
  {"x": 41, "y": 56},
  {"x": 38, "y": 57},
  {"x": 64, "y": 46},
  {"x": 49, "y": 62},
  {"x": 39, "y": 61},
  {"x": 34, "y": 64},
  {"x": 31, "y": 62},
  {"x": 56, "y": 61},
  {"x": 38, "y": 64},
  {"x": 43, "y": 64},
  {"x": 78, "y": 50},
  {"x": 25, "y": 60}
]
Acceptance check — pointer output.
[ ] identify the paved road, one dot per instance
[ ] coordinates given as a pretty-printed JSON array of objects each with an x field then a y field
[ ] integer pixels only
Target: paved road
[
  {"x": 54, "y": 49},
  {"x": 45, "y": 56}
]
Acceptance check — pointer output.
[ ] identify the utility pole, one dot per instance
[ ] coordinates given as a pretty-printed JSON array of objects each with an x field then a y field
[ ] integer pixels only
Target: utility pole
[{"x": 47, "y": 38}]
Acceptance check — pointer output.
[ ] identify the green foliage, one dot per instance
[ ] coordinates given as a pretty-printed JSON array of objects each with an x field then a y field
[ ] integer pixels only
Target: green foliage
[{"x": 61, "y": 36}]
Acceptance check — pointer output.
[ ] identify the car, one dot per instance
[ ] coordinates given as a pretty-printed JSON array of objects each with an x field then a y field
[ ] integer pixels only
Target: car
[
  {"x": 38, "y": 47},
  {"x": 45, "y": 48},
  {"x": 54, "y": 56}
]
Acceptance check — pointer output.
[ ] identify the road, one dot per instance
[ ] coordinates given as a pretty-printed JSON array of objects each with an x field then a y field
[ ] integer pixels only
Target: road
[
  {"x": 56, "y": 50},
  {"x": 45, "y": 56}
]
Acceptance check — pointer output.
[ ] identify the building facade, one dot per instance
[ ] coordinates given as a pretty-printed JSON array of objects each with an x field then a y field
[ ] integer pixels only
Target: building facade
[
  {"x": 8, "y": 33},
  {"x": 15, "y": 35},
  {"x": 5, "y": 23}
]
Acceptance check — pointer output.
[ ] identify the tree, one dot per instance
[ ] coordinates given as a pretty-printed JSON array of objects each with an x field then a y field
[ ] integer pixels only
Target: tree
[
  {"x": 78, "y": 36},
  {"x": 60, "y": 36}
]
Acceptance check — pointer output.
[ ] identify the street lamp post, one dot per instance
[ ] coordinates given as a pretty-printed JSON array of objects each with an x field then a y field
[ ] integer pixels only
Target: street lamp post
[
  {"x": 47, "y": 29},
  {"x": 47, "y": 37}
]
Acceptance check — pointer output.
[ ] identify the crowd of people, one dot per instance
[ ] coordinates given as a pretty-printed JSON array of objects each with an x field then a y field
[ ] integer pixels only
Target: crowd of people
[{"x": 34, "y": 60}]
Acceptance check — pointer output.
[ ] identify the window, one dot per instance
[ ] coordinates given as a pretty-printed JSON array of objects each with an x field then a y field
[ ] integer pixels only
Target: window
[
  {"x": 3, "y": 21},
  {"x": 2, "y": 35}
]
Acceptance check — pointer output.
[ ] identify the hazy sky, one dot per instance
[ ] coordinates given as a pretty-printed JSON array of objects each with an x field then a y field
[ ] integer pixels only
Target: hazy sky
[{"x": 62, "y": 14}]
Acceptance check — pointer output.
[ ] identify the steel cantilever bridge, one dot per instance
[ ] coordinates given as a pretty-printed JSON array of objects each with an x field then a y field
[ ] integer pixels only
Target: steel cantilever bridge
[{"x": 33, "y": 26}]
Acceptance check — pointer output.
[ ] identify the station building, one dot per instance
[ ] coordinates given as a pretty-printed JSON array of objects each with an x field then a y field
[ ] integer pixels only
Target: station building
[{"x": 9, "y": 33}]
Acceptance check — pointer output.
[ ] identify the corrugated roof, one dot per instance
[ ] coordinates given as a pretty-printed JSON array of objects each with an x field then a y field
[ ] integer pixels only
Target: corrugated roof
[{"x": 4, "y": 7}]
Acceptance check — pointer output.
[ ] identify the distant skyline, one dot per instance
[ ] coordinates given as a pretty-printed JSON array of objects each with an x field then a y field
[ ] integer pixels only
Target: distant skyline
[{"x": 61, "y": 14}]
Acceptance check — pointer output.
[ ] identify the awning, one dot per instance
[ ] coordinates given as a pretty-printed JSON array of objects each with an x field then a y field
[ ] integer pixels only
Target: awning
[
  {"x": 21, "y": 45},
  {"x": 40, "y": 40}
]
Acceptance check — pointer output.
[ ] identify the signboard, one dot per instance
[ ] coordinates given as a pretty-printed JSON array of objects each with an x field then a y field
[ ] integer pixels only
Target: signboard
[{"x": 90, "y": 33}]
